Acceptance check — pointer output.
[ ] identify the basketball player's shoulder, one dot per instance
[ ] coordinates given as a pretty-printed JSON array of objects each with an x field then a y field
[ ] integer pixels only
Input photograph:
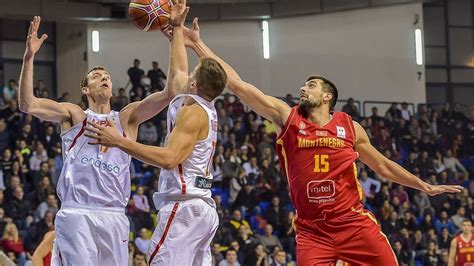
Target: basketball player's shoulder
[{"x": 194, "y": 112}]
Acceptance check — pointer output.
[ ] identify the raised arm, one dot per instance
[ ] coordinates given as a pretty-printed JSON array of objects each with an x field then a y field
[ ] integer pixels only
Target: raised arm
[
  {"x": 191, "y": 124},
  {"x": 141, "y": 111},
  {"x": 267, "y": 106},
  {"x": 391, "y": 170},
  {"x": 42, "y": 108}
]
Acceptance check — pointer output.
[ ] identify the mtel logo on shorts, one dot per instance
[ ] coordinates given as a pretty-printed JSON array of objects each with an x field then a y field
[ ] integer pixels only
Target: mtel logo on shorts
[
  {"x": 321, "y": 191},
  {"x": 103, "y": 166}
]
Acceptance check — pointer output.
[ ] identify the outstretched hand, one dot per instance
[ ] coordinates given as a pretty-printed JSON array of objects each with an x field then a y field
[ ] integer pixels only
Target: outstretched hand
[
  {"x": 434, "y": 190},
  {"x": 179, "y": 10},
  {"x": 105, "y": 135},
  {"x": 191, "y": 35},
  {"x": 33, "y": 43}
]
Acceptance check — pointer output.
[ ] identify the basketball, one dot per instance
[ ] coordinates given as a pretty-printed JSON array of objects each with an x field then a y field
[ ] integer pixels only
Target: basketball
[{"x": 150, "y": 15}]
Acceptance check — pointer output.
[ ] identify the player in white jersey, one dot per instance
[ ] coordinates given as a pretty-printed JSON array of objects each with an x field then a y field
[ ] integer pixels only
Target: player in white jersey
[
  {"x": 187, "y": 218},
  {"x": 94, "y": 186}
]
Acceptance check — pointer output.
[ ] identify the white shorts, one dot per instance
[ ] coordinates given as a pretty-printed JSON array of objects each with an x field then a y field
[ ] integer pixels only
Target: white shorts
[
  {"x": 97, "y": 236},
  {"x": 183, "y": 235}
]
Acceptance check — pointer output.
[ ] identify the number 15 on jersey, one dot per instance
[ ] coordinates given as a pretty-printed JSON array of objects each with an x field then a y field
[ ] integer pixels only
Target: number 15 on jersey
[{"x": 321, "y": 164}]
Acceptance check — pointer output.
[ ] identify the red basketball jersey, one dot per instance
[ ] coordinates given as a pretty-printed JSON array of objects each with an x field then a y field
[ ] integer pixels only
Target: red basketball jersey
[
  {"x": 319, "y": 164},
  {"x": 465, "y": 251}
]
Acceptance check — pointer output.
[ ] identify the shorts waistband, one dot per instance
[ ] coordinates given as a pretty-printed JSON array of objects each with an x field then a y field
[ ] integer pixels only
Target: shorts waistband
[{"x": 92, "y": 208}]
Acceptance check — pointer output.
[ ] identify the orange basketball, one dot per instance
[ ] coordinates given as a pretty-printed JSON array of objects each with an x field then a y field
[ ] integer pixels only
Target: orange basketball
[{"x": 150, "y": 15}]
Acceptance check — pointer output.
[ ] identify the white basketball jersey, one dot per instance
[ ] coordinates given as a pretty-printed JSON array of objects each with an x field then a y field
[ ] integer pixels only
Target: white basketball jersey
[
  {"x": 192, "y": 178},
  {"x": 93, "y": 175}
]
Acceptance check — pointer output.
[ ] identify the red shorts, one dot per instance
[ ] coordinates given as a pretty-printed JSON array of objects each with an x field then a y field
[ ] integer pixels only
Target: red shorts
[{"x": 354, "y": 237}]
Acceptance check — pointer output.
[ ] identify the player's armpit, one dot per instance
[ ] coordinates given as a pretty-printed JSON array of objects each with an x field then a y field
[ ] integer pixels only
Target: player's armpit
[{"x": 267, "y": 106}]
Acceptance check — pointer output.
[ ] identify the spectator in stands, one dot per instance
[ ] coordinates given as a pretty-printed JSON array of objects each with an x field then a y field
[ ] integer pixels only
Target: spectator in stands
[
  {"x": 49, "y": 205},
  {"x": 135, "y": 75},
  {"x": 10, "y": 91},
  {"x": 11, "y": 242},
  {"x": 39, "y": 156},
  {"x": 247, "y": 198},
  {"x": 251, "y": 167},
  {"x": 139, "y": 259},
  {"x": 351, "y": 109},
  {"x": 230, "y": 258},
  {"x": 275, "y": 214},
  {"x": 216, "y": 253},
  {"x": 268, "y": 240},
  {"x": 258, "y": 257},
  {"x": 394, "y": 112},
  {"x": 444, "y": 240},
  {"x": 402, "y": 255},
  {"x": 453, "y": 163},
  {"x": 121, "y": 101},
  {"x": 405, "y": 113},
  {"x": 43, "y": 189},
  {"x": 64, "y": 98},
  {"x": 12, "y": 115},
  {"x": 444, "y": 222},
  {"x": 431, "y": 256},
  {"x": 5, "y": 136},
  {"x": 290, "y": 100},
  {"x": 39, "y": 87},
  {"x": 147, "y": 133},
  {"x": 50, "y": 138},
  {"x": 234, "y": 244},
  {"x": 19, "y": 209},
  {"x": 366, "y": 182},
  {"x": 143, "y": 241},
  {"x": 157, "y": 77}
]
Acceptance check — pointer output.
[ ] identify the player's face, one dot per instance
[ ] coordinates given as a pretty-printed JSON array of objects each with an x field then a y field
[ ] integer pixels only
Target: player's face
[
  {"x": 466, "y": 227},
  {"x": 311, "y": 94},
  {"x": 99, "y": 85}
]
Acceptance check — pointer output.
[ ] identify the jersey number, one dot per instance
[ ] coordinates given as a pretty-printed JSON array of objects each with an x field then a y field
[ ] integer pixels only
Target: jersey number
[{"x": 321, "y": 164}]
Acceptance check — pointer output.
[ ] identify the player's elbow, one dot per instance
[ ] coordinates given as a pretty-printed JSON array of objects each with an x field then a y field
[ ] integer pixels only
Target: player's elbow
[
  {"x": 24, "y": 107},
  {"x": 171, "y": 162}
]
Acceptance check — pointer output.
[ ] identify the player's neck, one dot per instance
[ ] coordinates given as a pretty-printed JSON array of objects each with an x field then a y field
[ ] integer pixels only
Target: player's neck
[
  {"x": 466, "y": 236},
  {"x": 320, "y": 116},
  {"x": 98, "y": 108}
]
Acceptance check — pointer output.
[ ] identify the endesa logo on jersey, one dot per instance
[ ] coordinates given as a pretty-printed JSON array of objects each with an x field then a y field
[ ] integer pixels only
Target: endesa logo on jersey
[
  {"x": 321, "y": 191},
  {"x": 103, "y": 166}
]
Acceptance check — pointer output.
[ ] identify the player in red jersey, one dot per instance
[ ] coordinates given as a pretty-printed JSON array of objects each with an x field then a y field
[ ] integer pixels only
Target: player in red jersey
[
  {"x": 317, "y": 150},
  {"x": 461, "y": 252}
]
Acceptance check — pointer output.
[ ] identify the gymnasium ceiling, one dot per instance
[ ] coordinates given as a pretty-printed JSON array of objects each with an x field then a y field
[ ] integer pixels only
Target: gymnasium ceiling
[{"x": 204, "y": 9}]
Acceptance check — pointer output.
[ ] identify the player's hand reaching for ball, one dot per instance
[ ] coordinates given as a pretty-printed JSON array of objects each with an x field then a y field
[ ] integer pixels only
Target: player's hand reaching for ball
[
  {"x": 33, "y": 43},
  {"x": 105, "y": 135},
  {"x": 191, "y": 35},
  {"x": 179, "y": 10}
]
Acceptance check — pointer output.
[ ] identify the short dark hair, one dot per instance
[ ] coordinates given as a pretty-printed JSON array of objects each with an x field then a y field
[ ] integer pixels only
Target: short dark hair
[
  {"x": 329, "y": 87},
  {"x": 85, "y": 81},
  {"x": 466, "y": 220},
  {"x": 211, "y": 77}
]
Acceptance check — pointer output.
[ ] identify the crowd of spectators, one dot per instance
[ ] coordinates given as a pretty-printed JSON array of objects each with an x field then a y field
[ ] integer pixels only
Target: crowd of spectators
[{"x": 249, "y": 187}]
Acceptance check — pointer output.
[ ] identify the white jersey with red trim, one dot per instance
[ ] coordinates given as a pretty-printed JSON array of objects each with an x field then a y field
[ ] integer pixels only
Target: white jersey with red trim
[
  {"x": 192, "y": 178},
  {"x": 93, "y": 175}
]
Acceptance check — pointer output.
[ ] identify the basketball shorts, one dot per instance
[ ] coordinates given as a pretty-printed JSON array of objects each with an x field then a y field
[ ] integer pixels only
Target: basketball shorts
[
  {"x": 354, "y": 238},
  {"x": 91, "y": 236},
  {"x": 183, "y": 235}
]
